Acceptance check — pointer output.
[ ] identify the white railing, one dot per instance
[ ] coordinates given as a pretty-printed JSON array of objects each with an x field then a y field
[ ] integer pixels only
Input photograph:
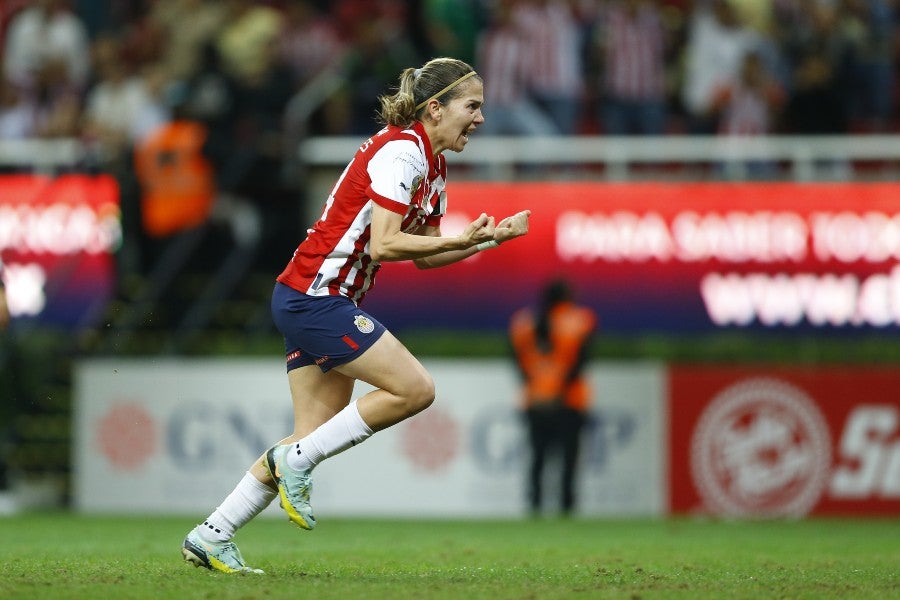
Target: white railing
[
  {"x": 41, "y": 155},
  {"x": 802, "y": 155}
]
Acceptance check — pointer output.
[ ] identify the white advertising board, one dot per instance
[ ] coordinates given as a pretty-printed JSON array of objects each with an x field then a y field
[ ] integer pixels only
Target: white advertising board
[{"x": 175, "y": 435}]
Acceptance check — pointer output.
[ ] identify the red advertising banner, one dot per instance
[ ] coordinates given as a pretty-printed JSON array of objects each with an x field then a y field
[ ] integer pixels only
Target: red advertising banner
[
  {"x": 758, "y": 442},
  {"x": 57, "y": 240},
  {"x": 675, "y": 257}
]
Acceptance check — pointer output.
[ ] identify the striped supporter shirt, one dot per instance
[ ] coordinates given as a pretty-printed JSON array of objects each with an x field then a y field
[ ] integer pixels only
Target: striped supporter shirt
[
  {"x": 749, "y": 111},
  {"x": 553, "y": 56},
  {"x": 634, "y": 60},
  {"x": 394, "y": 169},
  {"x": 501, "y": 61}
]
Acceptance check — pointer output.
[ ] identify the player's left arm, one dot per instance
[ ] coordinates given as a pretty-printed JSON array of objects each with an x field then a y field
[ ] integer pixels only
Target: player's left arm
[{"x": 509, "y": 228}]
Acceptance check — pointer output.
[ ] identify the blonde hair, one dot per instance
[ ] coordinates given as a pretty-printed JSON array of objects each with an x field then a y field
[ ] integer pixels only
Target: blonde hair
[{"x": 437, "y": 79}]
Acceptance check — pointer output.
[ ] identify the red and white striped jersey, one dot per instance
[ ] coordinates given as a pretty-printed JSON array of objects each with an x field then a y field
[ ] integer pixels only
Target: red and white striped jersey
[{"x": 394, "y": 169}]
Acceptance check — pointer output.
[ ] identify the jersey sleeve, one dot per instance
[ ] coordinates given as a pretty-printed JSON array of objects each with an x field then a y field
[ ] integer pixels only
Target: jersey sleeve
[{"x": 395, "y": 172}]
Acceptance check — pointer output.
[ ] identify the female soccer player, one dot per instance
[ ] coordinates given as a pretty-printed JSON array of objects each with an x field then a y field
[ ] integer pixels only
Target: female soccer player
[{"x": 386, "y": 206}]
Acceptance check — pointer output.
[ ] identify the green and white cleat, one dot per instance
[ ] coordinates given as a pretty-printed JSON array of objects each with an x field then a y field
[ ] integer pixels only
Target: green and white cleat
[
  {"x": 215, "y": 556},
  {"x": 294, "y": 487}
]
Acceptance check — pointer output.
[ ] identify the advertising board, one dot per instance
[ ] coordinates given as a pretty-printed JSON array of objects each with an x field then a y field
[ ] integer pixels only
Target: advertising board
[
  {"x": 58, "y": 236},
  {"x": 174, "y": 436},
  {"x": 670, "y": 258},
  {"x": 768, "y": 442}
]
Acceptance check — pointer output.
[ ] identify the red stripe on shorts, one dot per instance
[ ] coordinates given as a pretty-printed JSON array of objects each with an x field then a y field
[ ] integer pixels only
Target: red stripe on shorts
[{"x": 349, "y": 341}]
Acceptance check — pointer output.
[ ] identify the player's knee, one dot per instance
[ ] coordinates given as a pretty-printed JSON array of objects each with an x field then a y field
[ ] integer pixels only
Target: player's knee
[{"x": 419, "y": 394}]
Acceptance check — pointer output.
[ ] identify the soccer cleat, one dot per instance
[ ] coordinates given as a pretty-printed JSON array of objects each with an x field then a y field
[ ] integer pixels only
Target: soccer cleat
[
  {"x": 294, "y": 487},
  {"x": 215, "y": 556}
]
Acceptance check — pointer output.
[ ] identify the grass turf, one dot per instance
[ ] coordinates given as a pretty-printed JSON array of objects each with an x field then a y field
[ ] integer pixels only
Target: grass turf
[{"x": 67, "y": 556}]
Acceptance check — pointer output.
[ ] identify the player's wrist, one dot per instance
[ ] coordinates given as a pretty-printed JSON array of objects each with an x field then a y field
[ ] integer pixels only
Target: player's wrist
[{"x": 481, "y": 247}]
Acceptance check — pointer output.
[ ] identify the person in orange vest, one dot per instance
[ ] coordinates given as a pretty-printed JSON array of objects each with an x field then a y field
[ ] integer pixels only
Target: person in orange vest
[
  {"x": 551, "y": 345},
  {"x": 176, "y": 178}
]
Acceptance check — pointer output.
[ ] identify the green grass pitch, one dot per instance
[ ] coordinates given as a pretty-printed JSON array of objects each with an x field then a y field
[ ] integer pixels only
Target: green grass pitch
[{"x": 62, "y": 556}]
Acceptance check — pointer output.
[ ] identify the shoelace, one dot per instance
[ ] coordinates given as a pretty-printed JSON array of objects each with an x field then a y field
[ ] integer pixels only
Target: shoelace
[
  {"x": 236, "y": 553},
  {"x": 303, "y": 491}
]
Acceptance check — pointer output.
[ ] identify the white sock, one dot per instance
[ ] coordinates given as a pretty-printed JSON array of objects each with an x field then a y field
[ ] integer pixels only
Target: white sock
[
  {"x": 340, "y": 432},
  {"x": 247, "y": 500}
]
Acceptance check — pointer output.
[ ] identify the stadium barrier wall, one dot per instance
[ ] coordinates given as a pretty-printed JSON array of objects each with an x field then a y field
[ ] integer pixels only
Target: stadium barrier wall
[{"x": 173, "y": 436}]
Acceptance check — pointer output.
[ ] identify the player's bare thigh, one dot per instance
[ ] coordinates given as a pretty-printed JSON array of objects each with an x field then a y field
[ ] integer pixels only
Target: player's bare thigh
[{"x": 403, "y": 385}]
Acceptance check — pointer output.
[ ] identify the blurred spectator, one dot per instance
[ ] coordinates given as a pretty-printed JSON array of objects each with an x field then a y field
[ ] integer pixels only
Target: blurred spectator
[
  {"x": 59, "y": 105},
  {"x": 18, "y": 117},
  {"x": 868, "y": 27},
  {"x": 310, "y": 46},
  {"x": 818, "y": 58},
  {"x": 121, "y": 107},
  {"x": 508, "y": 109},
  {"x": 241, "y": 96},
  {"x": 210, "y": 96},
  {"x": 816, "y": 105},
  {"x": 550, "y": 345},
  {"x": 247, "y": 38},
  {"x": 631, "y": 43},
  {"x": 51, "y": 108},
  {"x": 310, "y": 42},
  {"x": 46, "y": 36},
  {"x": 187, "y": 27},
  {"x": 750, "y": 105},
  {"x": 452, "y": 27},
  {"x": 379, "y": 48},
  {"x": 190, "y": 169},
  {"x": 8, "y": 8},
  {"x": 553, "y": 43},
  {"x": 716, "y": 45},
  {"x": 755, "y": 14}
]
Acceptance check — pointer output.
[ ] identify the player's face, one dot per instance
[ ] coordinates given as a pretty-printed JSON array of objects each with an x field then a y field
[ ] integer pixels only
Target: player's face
[{"x": 460, "y": 117}]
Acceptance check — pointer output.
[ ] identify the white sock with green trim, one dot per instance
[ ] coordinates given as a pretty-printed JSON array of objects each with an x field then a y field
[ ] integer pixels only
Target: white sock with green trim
[{"x": 247, "y": 500}]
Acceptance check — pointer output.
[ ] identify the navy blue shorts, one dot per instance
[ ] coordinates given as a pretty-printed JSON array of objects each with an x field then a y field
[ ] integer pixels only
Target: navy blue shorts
[{"x": 323, "y": 330}]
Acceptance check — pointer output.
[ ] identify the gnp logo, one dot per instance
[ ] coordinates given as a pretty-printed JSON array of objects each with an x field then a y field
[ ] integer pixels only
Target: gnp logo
[
  {"x": 127, "y": 435},
  {"x": 761, "y": 448}
]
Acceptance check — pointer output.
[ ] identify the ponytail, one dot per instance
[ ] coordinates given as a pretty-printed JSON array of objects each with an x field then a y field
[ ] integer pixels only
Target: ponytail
[{"x": 438, "y": 79}]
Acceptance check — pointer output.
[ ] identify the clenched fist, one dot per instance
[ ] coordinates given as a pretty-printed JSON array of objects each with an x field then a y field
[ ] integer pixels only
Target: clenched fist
[{"x": 512, "y": 226}]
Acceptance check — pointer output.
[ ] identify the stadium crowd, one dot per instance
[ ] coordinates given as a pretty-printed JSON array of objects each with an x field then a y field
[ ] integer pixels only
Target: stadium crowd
[{"x": 111, "y": 72}]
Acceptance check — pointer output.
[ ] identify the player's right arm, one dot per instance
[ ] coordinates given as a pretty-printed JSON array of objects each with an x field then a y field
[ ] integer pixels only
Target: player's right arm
[{"x": 388, "y": 243}]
